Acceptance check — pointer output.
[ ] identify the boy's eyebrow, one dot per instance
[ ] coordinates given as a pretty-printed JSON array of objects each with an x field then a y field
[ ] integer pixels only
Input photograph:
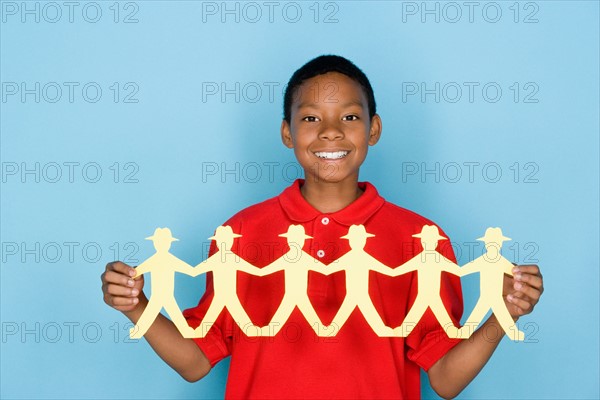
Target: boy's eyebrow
[
  {"x": 353, "y": 103},
  {"x": 347, "y": 104}
]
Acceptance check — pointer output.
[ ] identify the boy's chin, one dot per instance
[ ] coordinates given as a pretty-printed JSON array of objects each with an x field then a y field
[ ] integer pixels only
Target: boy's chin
[{"x": 330, "y": 179}]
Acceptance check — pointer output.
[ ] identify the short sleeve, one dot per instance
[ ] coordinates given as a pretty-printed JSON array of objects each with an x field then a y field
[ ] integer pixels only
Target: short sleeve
[
  {"x": 213, "y": 345},
  {"x": 428, "y": 342}
]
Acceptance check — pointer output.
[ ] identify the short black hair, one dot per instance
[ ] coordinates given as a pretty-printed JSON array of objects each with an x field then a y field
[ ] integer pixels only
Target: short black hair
[{"x": 322, "y": 65}]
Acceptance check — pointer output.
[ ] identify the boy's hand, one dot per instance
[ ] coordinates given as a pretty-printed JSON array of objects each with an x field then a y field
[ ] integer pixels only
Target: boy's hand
[
  {"x": 120, "y": 290},
  {"x": 522, "y": 291}
]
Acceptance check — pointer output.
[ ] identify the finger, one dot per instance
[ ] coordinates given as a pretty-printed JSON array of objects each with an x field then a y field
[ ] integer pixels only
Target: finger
[
  {"x": 116, "y": 301},
  {"x": 121, "y": 267},
  {"x": 527, "y": 269},
  {"x": 522, "y": 304},
  {"x": 118, "y": 279},
  {"x": 117, "y": 290},
  {"x": 532, "y": 280},
  {"x": 138, "y": 282},
  {"x": 518, "y": 295},
  {"x": 124, "y": 301},
  {"x": 529, "y": 291},
  {"x": 125, "y": 308}
]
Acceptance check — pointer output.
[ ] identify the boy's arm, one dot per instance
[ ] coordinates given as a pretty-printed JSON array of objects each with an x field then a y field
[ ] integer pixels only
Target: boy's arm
[
  {"x": 124, "y": 294},
  {"x": 457, "y": 368},
  {"x": 183, "y": 355}
]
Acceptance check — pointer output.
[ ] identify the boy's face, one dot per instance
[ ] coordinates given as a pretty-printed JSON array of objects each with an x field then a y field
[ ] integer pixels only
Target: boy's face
[{"x": 330, "y": 130}]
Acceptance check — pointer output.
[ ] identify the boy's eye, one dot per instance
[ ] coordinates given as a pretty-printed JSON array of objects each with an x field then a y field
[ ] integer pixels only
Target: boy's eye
[
  {"x": 350, "y": 117},
  {"x": 309, "y": 118}
]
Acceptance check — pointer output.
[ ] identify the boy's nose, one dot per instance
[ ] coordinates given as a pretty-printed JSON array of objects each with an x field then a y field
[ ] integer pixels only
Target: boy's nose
[{"x": 331, "y": 132}]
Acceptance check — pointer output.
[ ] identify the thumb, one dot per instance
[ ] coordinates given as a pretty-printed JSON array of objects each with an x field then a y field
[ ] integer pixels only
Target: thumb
[{"x": 139, "y": 283}]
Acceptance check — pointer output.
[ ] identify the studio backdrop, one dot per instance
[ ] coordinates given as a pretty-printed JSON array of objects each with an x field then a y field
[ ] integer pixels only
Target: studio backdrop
[{"x": 118, "y": 117}]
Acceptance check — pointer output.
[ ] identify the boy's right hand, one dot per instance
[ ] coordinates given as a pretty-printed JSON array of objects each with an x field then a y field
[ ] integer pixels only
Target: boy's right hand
[{"x": 120, "y": 290}]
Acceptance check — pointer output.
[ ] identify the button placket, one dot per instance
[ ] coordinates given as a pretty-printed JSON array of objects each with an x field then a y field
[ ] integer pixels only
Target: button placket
[
  {"x": 318, "y": 286},
  {"x": 321, "y": 252}
]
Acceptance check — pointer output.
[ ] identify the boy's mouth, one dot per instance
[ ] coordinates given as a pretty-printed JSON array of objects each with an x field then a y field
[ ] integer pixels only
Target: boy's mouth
[{"x": 331, "y": 155}]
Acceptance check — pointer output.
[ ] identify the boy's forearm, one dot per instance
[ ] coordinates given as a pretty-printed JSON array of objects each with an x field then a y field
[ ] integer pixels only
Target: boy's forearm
[
  {"x": 181, "y": 354},
  {"x": 453, "y": 372}
]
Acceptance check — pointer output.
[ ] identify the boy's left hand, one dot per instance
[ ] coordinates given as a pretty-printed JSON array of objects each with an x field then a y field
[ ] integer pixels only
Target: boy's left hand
[{"x": 522, "y": 291}]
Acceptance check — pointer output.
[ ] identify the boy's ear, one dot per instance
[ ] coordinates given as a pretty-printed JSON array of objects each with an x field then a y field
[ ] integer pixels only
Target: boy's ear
[
  {"x": 286, "y": 135},
  {"x": 375, "y": 131}
]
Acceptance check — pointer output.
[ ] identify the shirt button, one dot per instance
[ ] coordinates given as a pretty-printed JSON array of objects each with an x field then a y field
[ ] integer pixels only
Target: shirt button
[
  {"x": 320, "y": 254},
  {"x": 325, "y": 221}
]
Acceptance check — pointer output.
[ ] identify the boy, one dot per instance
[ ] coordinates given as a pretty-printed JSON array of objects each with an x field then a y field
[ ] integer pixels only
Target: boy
[{"x": 329, "y": 121}]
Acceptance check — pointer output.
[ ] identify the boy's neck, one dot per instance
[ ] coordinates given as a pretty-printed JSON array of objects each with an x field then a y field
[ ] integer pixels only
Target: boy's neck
[{"x": 329, "y": 197}]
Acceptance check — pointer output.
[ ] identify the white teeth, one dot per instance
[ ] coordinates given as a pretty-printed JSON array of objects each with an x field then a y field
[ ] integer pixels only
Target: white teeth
[{"x": 333, "y": 155}]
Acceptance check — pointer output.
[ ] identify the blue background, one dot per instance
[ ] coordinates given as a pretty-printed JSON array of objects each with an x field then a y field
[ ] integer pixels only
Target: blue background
[{"x": 166, "y": 132}]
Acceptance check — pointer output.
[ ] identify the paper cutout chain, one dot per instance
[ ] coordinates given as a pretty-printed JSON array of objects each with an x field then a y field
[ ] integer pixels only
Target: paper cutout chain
[{"x": 429, "y": 264}]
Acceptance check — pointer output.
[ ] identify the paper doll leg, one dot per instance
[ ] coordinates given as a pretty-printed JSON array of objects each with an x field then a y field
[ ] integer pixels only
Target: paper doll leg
[
  {"x": 412, "y": 318},
  {"x": 146, "y": 320},
  {"x": 444, "y": 319},
  {"x": 241, "y": 318},
  {"x": 481, "y": 308},
  {"x": 508, "y": 324},
  {"x": 370, "y": 313},
  {"x": 280, "y": 318},
  {"x": 209, "y": 318},
  {"x": 313, "y": 319},
  {"x": 343, "y": 314},
  {"x": 178, "y": 319}
]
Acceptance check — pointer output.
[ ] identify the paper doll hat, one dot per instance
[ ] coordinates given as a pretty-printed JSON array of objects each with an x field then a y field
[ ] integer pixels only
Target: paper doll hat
[
  {"x": 296, "y": 233},
  {"x": 357, "y": 231},
  {"x": 162, "y": 234},
  {"x": 493, "y": 235},
  {"x": 430, "y": 232},
  {"x": 223, "y": 233}
]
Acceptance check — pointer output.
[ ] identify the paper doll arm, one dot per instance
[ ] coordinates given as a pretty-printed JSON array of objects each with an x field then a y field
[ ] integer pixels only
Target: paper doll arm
[
  {"x": 508, "y": 267},
  {"x": 449, "y": 266},
  {"x": 245, "y": 266},
  {"x": 275, "y": 266},
  {"x": 409, "y": 266},
  {"x": 318, "y": 266},
  {"x": 338, "y": 265},
  {"x": 377, "y": 266},
  {"x": 469, "y": 268},
  {"x": 144, "y": 267},
  {"x": 205, "y": 266},
  {"x": 183, "y": 267}
]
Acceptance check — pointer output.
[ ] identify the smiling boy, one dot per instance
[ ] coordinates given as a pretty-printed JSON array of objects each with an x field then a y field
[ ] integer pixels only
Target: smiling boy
[{"x": 330, "y": 121}]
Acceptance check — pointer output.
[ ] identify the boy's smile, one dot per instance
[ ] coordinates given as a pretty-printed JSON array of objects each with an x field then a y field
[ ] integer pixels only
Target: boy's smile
[
  {"x": 330, "y": 129},
  {"x": 332, "y": 155}
]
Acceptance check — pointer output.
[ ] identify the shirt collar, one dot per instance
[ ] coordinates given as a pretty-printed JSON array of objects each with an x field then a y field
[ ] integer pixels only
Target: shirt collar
[{"x": 357, "y": 212}]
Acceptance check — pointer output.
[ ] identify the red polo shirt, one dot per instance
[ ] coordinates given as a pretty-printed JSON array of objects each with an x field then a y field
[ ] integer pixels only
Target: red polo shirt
[{"x": 356, "y": 363}]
